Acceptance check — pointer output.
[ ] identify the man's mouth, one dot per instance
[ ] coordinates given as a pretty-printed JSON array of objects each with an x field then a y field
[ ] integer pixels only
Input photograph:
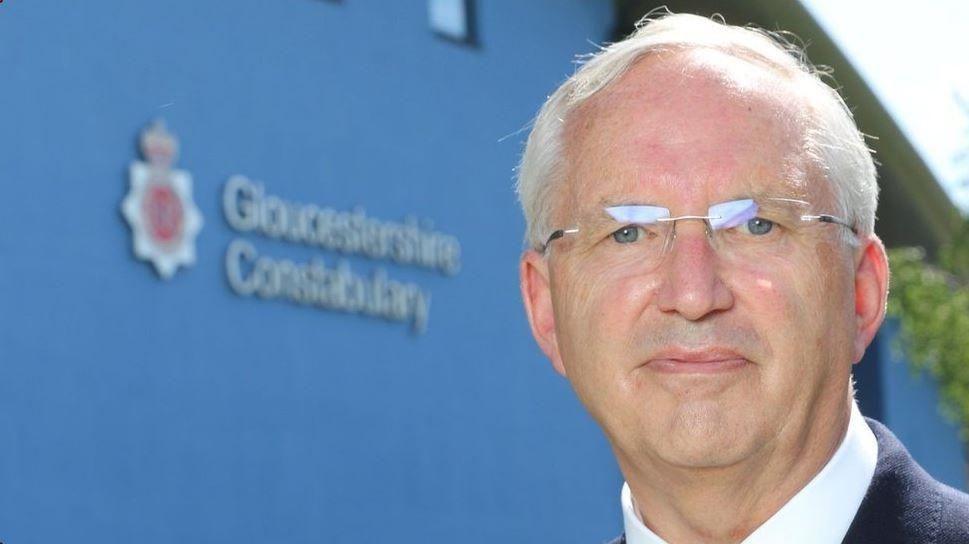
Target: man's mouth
[{"x": 702, "y": 361}]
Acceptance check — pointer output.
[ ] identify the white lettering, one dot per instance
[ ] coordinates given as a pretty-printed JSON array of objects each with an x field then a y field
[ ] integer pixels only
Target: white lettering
[
  {"x": 337, "y": 289},
  {"x": 239, "y": 203},
  {"x": 247, "y": 208},
  {"x": 239, "y": 251}
]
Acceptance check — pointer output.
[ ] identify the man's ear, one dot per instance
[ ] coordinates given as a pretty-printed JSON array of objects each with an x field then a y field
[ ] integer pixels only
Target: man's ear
[
  {"x": 871, "y": 292},
  {"x": 537, "y": 295}
]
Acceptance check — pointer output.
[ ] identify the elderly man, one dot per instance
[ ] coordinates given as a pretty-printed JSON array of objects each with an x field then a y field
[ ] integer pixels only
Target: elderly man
[{"x": 704, "y": 271}]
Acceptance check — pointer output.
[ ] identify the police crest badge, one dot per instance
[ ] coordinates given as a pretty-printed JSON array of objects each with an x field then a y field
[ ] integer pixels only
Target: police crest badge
[{"x": 159, "y": 206}]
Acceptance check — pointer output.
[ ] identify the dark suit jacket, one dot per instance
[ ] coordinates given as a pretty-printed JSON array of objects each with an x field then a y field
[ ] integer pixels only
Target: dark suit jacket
[{"x": 904, "y": 505}]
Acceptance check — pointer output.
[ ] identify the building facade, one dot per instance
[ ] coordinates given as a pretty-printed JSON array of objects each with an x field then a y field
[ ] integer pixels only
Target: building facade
[{"x": 258, "y": 277}]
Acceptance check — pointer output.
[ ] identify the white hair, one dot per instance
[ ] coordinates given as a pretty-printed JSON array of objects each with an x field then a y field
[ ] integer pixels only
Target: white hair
[{"x": 832, "y": 141}]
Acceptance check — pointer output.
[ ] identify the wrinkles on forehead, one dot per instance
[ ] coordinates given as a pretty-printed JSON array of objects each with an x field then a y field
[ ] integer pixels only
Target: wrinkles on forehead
[
  {"x": 603, "y": 212},
  {"x": 688, "y": 128}
]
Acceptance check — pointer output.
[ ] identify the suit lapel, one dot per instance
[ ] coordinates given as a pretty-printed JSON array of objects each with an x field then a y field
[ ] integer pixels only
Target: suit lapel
[{"x": 903, "y": 502}]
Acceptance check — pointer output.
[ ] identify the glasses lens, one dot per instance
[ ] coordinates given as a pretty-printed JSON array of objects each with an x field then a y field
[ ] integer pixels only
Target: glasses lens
[
  {"x": 728, "y": 215},
  {"x": 637, "y": 214},
  {"x": 636, "y": 238},
  {"x": 627, "y": 239}
]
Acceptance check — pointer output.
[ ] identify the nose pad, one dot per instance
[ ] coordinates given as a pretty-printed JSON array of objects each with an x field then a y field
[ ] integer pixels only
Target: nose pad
[{"x": 707, "y": 227}]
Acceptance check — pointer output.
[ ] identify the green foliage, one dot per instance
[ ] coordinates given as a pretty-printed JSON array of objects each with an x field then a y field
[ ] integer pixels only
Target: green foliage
[{"x": 932, "y": 305}]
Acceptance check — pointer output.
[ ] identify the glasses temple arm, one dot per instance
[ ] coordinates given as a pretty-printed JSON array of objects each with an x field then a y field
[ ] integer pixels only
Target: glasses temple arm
[{"x": 826, "y": 218}]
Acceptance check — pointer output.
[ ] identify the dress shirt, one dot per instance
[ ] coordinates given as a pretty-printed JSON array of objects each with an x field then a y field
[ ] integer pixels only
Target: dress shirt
[{"x": 820, "y": 513}]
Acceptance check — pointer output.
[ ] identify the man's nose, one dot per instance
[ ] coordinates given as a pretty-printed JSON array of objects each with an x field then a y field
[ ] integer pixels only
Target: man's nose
[{"x": 692, "y": 286}]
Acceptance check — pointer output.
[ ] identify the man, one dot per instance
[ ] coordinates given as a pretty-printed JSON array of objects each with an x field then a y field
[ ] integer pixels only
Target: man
[{"x": 704, "y": 271}]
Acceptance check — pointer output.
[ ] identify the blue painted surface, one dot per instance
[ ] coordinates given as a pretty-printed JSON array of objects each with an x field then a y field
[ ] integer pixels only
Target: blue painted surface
[
  {"x": 869, "y": 390},
  {"x": 133, "y": 410},
  {"x": 911, "y": 410}
]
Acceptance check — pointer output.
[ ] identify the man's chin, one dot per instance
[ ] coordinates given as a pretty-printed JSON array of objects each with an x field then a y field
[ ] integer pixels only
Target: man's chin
[{"x": 707, "y": 435}]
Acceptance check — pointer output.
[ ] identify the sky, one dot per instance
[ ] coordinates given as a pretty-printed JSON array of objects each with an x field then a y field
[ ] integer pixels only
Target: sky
[{"x": 916, "y": 59}]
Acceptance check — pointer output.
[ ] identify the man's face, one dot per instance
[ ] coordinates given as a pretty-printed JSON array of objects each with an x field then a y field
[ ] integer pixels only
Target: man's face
[{"x": 776, "y": 337}]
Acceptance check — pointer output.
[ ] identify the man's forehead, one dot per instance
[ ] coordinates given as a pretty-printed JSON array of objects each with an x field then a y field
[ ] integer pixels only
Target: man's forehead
[
  {"x": 683, "y": 90},
  {"x": 661, "y": 75},
  {"x": 592, "y": 198},
  {"x": 761, "y": 192},
  {"x": 782, "y": 190},
  {"x": 700, "y": 126}
]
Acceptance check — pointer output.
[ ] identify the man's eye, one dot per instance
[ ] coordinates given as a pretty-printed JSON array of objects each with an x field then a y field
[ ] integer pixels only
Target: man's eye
[
  {"x": 628, "y": 234},
  {"x": 759, "y": 226}
]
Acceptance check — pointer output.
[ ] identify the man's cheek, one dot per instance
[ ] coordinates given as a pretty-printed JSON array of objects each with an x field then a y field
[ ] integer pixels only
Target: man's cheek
[
  {"x": 781, "y": 286},
  {"x": 772, "y": 303},
  {"x": 585, "y": 303},
  {"x": 623, "y": 300}
]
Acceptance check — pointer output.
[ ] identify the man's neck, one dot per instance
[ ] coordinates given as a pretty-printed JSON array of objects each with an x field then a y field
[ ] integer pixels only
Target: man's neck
[{"x": 726, "y": 504}]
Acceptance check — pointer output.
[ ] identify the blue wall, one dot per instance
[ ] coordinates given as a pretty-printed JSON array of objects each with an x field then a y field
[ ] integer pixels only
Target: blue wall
[
  {"x": 137, "y": 410},
  {"x": 909, "y": 404}
]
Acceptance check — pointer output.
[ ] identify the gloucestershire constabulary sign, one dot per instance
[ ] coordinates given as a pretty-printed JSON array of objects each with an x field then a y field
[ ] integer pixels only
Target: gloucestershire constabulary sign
[
  {"x": 165, "y": 221},
  {"x": 249, "y": 209},
  {"x": 159, "y": 207}
]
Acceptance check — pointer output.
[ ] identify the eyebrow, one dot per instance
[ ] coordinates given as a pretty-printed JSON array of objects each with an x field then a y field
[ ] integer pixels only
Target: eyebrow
[
  {"x": 606, "y": 202},
  {"x": 785, "y": 194}
]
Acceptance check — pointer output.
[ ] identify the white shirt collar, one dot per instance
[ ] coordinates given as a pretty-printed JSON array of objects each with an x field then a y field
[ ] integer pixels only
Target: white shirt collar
[{"x": 820, "y": 513}]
